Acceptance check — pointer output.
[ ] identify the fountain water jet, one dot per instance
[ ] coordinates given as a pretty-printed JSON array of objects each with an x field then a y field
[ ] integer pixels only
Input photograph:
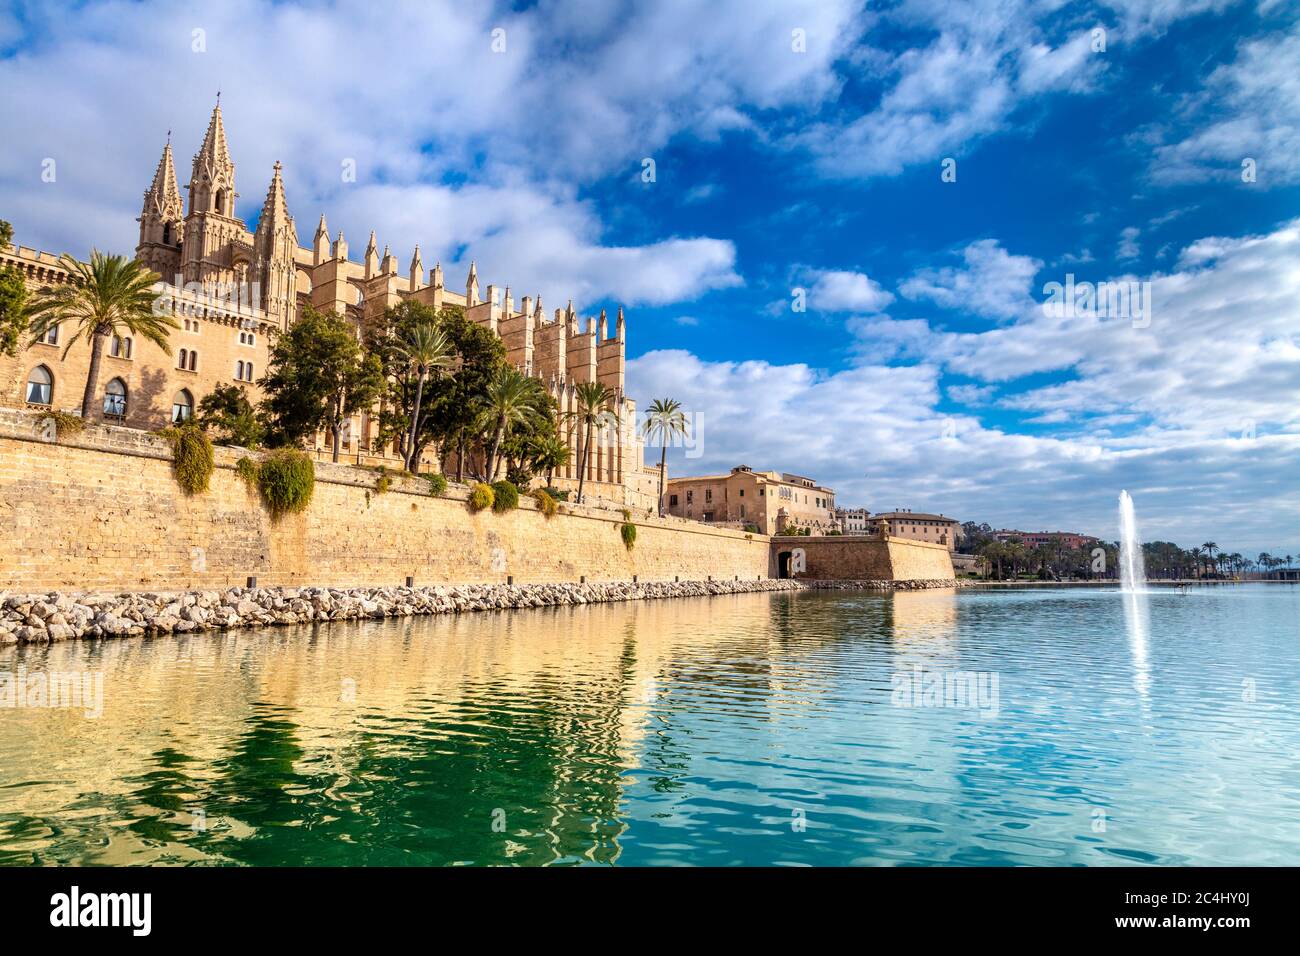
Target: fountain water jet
[{"x": 1132, "y": 569}]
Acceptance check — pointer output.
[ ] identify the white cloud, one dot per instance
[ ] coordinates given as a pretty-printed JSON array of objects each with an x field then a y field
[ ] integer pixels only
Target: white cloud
[
  {"x": 973, "y": 395},
  {"x": 1248, "y": 109},
  {"x": 983, "y": 62},
  {"x": 1222, "y": 347},
  {"x": 840, "y": 291},
  {"x": 1129, "y": 247},
  {"x": 992, "y": 283}
]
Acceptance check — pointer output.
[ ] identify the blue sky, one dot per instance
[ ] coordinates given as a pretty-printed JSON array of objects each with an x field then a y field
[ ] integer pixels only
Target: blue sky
[{"x": 796, "y": 146}]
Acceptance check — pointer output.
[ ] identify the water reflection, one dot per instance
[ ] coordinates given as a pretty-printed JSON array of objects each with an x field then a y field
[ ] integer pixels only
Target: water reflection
[
  {"x": 1136, "y": 621},
  {"x": 681, "y": 731}
]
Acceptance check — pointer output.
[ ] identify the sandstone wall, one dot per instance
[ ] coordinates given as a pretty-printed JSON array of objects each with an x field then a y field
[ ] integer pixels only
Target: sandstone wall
[
  {"x": 863, "y": 558},
  {"x": 101, "y": 510},
  {"x": 919, "y": 560}
]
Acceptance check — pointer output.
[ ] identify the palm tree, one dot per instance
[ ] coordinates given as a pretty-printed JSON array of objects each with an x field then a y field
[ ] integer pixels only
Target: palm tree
[
  {"x": 552, "y": 453},
  {"x": 595, "y": 409},
  {"x": 107, "y": 296},
  {"x": 1209, "y": 547},
  {"x": 427, "y": 351},
  {"x": 664, "y": 419},
  {"x": 512, "y": 398}
]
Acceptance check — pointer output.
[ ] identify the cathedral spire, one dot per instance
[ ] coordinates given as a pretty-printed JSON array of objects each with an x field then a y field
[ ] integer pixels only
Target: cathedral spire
[
  {"x": 417, "y": 270},
  {"x": 161, "y": 219},
  {"x": 275, "y": 244},
  {"x": 163, "y": 198},
  {"x": 471, "y": 285},
  {"x": 321, "y": 243},
  {"x": 212, "y": 184},
  {"x": 275, "y": 208},
  {"x": 215, "y": 150},
  {"x": 372, "y": 256}
]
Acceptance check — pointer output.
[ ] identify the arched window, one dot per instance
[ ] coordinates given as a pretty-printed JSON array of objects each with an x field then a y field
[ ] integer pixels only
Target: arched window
[
  {"x": 243, "y": 371},
  {"x": 115, "y": 399},
  {"x": 182, "y": 406},
  {"x": 187, "y": 360},
  {"x": 40, "y": 386},
  {"x": 121, "y": 347},
  {"x": 167, "y": 234},
  {"x": 51, "y": 336},
  {"x": 194, "y": 360},
  {"x": 182, "y": 357},
  {"x": 221, "y": 201}
]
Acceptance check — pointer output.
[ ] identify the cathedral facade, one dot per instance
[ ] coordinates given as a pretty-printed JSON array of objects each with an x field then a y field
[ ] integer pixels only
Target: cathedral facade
[{"x": 232, "y": 290}]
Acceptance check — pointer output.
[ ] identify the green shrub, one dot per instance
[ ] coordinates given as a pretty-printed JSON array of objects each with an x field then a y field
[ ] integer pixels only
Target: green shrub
[
  {"x": 247, "y": 469},
  {"x": 65, "y": 424},
  {"x": 287, "y": 479},
  {"x": 384, "y": 481},
  {"x": 547, "y": 505},
  {"x": 557, "y": 494},
  {"x": 437, "y": 484},
  {"x": 505, "y": 496},
  {"x": 481, "y": 496},
  {"x": 628, "y": 530},
  {"x": 191, "y": 457}
]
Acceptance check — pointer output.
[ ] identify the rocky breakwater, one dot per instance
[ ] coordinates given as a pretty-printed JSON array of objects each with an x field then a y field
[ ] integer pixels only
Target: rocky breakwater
[{"x": 34, "y": 618}]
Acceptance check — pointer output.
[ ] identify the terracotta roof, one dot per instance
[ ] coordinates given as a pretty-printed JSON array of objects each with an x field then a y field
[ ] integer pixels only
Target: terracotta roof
[{"x": 914, "y": 516}]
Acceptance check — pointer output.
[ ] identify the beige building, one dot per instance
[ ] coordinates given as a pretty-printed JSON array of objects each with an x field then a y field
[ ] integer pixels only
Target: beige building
[
  {"x": 919, "y": 526},
  {"x": 854, "y": 520},
  {"x": 766, "y": 500},
  {"x": 232, "y": 289}
]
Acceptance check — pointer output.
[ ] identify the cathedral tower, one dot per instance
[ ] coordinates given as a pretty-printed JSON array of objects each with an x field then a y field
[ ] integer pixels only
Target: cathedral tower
[
  {"x": 162, "y": 220},
  {"x": 274, "y": 246},
  {"x": 211, "y": 229}
]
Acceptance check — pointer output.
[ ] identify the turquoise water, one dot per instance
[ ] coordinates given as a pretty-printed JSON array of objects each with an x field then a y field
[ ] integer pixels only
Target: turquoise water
[{"x": 755, "y": 729}]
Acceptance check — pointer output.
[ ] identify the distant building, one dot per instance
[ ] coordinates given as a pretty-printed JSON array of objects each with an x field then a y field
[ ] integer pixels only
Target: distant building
[
  {"x": 767, "y": 500},
  {"x": 854, "y": 520},
  {"x": 920, "y": 526},
  {"x": 1034, "y": 539}
]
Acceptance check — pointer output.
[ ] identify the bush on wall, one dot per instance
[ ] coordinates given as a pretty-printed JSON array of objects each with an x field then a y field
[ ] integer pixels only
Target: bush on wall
[
  {"x": 247, "y": 469},
  {"x": 505, "y": 496},
  {"x": 287, "y": 479},
  {"x": 64, "y": 424},
  {"x": 628, "y": 530},
  {"x": 545, "y": 503},
  {"x": 481, "y": 496},
  {"x": 191, "y": 458},
  {"x": 437, "y": 484}
]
